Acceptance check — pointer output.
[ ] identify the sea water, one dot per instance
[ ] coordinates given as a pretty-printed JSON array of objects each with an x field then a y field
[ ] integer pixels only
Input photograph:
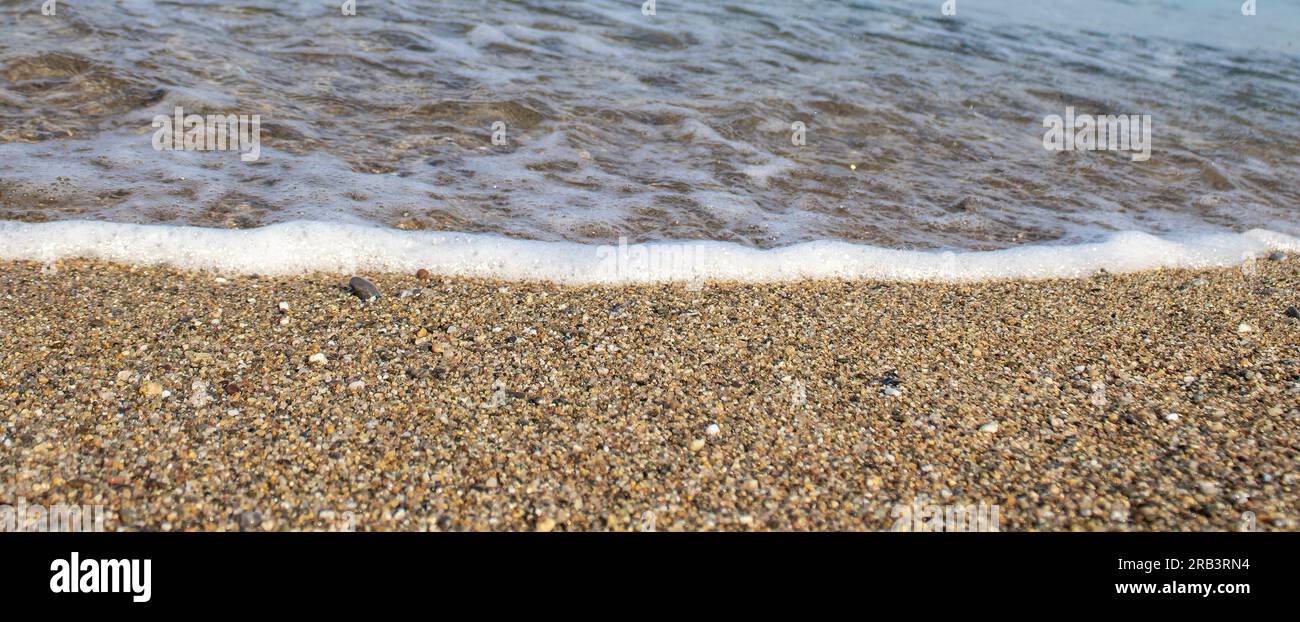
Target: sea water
[{"x": 612, "y": 141}]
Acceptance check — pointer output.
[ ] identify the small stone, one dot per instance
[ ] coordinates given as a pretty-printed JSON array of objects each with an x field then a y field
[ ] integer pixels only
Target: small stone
[
  {"x": 356, "y": 386},
  {"x": 201, "y": 358},
  {"x": 1277, "y": 256},
  {"x": 492, "y": 482},
  {"x": 499, "y": 397},
  {"x": 249, "y": 521},
  {"x": 422, "y": 274},
  {"x": 363, "y": 289},
  {"x": 1293, "y": 312},
  {"x": 713, "y": 429},
  {"x": 1208, "y": 488},
  {"x": 892, "y": 392},
  {"x": 1172, "y": 417},
  {"x": 545, "y": 525},
  {"x": 990, "y": 427},
  {"x": 283, "y": 307},
  {"x": 220, "y": 281},
  {"x": 200, "y": 397},
  {"x": 963, "y": 204},
  {"x": 1244, "y": 328},
  {"x": 318, "y": 359},
  {"x": 151, "y": 389},
  {"x": 697, "y": 444}
]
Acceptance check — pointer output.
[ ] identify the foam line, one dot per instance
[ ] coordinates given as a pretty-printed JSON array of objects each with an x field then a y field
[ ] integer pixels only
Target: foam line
[{"x": 303, "y": 246}]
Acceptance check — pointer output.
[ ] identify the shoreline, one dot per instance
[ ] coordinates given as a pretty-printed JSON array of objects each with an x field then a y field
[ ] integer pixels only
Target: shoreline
[
  {"x": 303, "y": 247},
  {"x": 182, "y": 403}
]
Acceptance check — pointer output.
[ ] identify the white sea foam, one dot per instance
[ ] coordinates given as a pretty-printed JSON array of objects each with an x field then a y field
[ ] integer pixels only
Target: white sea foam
[{"x": 298, "y": 247}]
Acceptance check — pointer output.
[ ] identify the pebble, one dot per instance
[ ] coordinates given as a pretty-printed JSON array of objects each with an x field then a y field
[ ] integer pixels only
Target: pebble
[
  {"x": 283, "y": 307},
  {"x": 1244, "y": 328},
  {"x": 318, "y": 359},
  {"x": 249, "y": 521},
  {"x": 363, "y": 288},
  {"x": 1277, "y": 256},
  {"x": 199, "y": 396},
  {"x": 963, "y": 204},
  {"x": 697, "y": 444},
  {"x": 423, "y": 274},
  {"x": 713, "y": 429},
  {"x": 545, "y": 525},
  {"x": 151, "y": 389},
  {"x": 1293, "y": 312},
  {"x": 989, "y": 427}
]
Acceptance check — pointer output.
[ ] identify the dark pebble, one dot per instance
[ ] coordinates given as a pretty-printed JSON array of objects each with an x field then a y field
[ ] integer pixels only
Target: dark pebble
[
  {"x": 1277, "y": 256},
  {"x": 364, "y": 289},
  {"x": 964, "y": 204},
  {"x": 1293, "y": 312}
]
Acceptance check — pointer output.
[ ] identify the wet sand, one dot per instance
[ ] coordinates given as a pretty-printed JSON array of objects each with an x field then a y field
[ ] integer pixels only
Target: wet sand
[{"x": 180, "y": 401}]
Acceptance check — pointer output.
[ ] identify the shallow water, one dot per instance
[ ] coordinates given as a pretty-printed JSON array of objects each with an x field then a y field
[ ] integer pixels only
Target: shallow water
[{"x": 922, "y": 131}]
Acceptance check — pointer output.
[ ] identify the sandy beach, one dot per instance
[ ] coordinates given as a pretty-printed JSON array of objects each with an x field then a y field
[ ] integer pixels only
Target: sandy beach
[{"x": 1163, "y": 400}]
